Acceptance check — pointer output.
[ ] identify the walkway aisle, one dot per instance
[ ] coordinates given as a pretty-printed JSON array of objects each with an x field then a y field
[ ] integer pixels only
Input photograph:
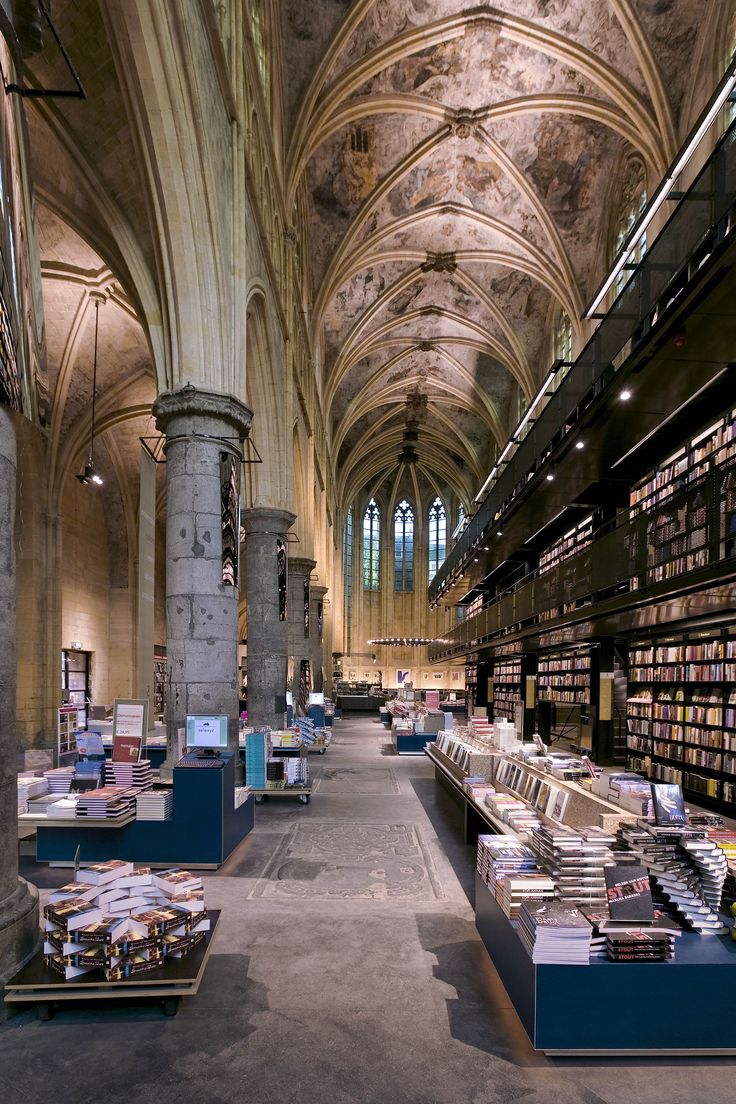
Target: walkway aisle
[{"x": 346, "y": 971}]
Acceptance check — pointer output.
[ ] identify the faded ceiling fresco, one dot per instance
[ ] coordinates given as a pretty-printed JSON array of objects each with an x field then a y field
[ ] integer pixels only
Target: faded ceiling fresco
[{"x": 460, "y": 166}]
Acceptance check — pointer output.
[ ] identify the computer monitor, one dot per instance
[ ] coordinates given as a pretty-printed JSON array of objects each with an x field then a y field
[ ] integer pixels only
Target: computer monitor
[
  {"x": 206, "y": 732},
  {"x": 316, "y": 698}
]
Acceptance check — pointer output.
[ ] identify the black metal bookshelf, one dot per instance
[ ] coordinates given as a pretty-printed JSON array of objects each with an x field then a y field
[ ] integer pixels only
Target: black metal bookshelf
[
  {"x": 681, "y": 708},
  {"x": 506, "y": 686}
]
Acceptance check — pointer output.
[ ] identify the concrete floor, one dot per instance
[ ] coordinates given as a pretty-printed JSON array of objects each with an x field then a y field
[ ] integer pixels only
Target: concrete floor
[{"x": 346, "y": 970}]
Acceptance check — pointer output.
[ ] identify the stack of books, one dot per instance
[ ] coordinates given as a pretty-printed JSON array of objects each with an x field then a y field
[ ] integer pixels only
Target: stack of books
[
  {"x": 650, "y": 945},
  {"x": 306, "y": 729},
  {"x": 552, "y": 932},
  {"x": 674, "y": 873},
  {"x": 576, "y": 859},
  {"x": 107, "y": 803},
  {"x": 502, "y": 856},
  {"x": 712, "y": 865},
  {"x": 135, "y": 775},
  {"x": 123, "y": 920},
  {"x": 66, "y": 807},
  {"x": 257, "y": 753},
  {"x": 59, "y": 779},
  {"x": 29, "y": 786},
  {"x": 513, "y": 811},
  {"x": 154, "y": 804},
  {"x": 512, "y": 891}
]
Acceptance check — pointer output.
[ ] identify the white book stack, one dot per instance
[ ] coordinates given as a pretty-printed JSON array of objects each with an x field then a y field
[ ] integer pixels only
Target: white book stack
[
  {"x": 29, "y": 785},
  {"x": 136, "y": 775},
  {"x": 66, "y": 807},
  {"x": 154, "y": 805},
  {"x": 59, "y": 779}
]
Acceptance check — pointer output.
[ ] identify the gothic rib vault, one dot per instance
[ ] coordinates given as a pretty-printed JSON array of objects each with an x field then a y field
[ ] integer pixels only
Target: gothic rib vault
[{"x": 459, "y": 166}]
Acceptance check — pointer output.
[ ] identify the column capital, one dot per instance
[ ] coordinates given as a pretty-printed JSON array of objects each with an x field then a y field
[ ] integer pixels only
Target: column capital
[
  {"x": 173, "y": 409},
  {"x": 300, "y": 565},
  {"x": 318, "y": 591},
  {"x": 263, "y": 519}
]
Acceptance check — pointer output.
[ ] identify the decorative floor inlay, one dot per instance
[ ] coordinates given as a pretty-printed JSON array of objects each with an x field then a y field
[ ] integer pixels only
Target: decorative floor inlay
[
  {"x": 380, "y": 862},
  {"x": 357, "y": 780}
]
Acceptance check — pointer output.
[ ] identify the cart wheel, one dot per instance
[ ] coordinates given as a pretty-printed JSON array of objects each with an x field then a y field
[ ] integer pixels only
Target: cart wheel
[
  {"x": 45, "y": 1011},
  {"x": 259, "y": 799},
  {"x": 322, "y": 751},
  {"x": 304, "y": 798},
  {"x": 170, "y": 1005}
]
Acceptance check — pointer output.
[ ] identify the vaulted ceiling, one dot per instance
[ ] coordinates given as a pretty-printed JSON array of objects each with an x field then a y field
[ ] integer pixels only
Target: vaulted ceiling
[{"x": 460, "y": 165}]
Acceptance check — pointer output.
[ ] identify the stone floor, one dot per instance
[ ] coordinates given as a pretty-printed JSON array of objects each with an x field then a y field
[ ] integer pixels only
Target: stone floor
[{"x": 346, "y": 970}]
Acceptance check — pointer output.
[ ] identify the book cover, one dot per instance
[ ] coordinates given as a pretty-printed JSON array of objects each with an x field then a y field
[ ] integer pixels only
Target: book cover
[
  {"x": 176, "y": 881},
  {"x": 669, "y": 805},
  {"x": 107, "y": 930},
  {"x": 126, "y": 749},
  {"x": 101, "y": 873},
  {"x": 72, "y": 914},
  {"x": 628, "y": 893},
  {"x": 74, "y": 889},
  {"x": 160, "y": 920}
]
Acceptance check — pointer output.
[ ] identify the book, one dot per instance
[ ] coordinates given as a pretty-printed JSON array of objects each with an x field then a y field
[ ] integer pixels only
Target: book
[
  {"x": 669, "y": 805},
  {"x": 158, "y": 921},
  {"x": 72, "y": 914},
  {"x": 629, "y": 893},
  {"x": 108, "y": 930},
  {"x": 176, "y": 946},
  {"x": 63, "y": 966},
  {"x": 74, "y": 889},
  {"x": 126, "y": 749},
  {"x": 103, "y": 872},
  {"x": 132, "y": 966},
  {"x": 176, "y": 880}
]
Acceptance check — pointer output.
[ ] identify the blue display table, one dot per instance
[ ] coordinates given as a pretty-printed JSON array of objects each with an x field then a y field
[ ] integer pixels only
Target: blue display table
[
  {"x": 414, "y": 743},
  {"x": 678, "y": 1007},
  {"x": 204, "y": 827}
]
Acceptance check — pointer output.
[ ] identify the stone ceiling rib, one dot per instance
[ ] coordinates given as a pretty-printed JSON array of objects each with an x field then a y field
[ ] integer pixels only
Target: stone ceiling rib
[
  {"x": 383, "y": 103},
  {"x": 647, "y": 62}
]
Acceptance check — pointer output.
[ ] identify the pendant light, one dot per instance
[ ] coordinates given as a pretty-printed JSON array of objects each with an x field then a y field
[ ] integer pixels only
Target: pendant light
[{"x": 90, "y": 473}]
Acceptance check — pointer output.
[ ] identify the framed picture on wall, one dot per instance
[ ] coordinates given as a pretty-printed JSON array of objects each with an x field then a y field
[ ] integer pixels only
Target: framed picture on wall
[
  {"x": 425, "y": 676},
  {"x": 455, "y": 676},
  {"x": 352, "y": 676},
  {"x": 402, "y": 676},
  {"x": 366, "y": 676},
  {"x": 438, "y": 676}
]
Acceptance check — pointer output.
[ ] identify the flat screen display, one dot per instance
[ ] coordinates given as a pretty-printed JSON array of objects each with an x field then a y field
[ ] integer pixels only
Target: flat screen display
[{"x": 206, "y": 732}]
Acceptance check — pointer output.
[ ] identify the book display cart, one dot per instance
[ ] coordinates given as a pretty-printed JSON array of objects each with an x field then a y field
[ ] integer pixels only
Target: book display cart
[
  {"x": 681, "y": 709},
  {"x": 37, "y": 984},
  {"x": 506, "y": 687},
  {"x": 159, "y": 683}
]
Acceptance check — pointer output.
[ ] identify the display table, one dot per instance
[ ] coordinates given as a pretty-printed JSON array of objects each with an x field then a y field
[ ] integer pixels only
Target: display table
[
  {"x": 477, "y": 818},
  {"x": 360, "y": 703},
  {"x": 607, "y": 1008},
  {"x": 178, "y": 977},
  {"x": 204, "y": 827},
  {"x": 412, "y": 743}
]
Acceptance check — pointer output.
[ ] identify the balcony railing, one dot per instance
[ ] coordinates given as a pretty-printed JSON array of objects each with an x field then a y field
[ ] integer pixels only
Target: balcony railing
[
  {"x": 677, "y": 540},
  {"x": 698, "y": 228}
]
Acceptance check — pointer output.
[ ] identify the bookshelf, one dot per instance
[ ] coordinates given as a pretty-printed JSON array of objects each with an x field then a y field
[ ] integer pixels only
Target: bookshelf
[
  {"x": 572, "y": 542},
  {"x": 676, "y": 507},
  {"x": 680, "y": 712},
  {"x": 564, "y": 677},
  {"x": 506, "y": 687}
]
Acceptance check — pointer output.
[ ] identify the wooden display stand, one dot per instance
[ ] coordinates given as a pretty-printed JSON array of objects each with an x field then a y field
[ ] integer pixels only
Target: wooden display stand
[{"x": 177, "y": 978}]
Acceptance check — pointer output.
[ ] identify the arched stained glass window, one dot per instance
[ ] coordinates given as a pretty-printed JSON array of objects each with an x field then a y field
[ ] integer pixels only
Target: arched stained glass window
[
  {"x": 632, "y": 203},
  {"x": 437, "y": 537},
  {"x": 404, "y": 547},
  {"x": 347, "y": 574},
  {"x": 371, "y": 546}
]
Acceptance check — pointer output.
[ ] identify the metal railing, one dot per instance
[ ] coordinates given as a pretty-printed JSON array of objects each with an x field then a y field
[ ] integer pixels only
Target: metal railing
[{"x": 700, "y": 225}]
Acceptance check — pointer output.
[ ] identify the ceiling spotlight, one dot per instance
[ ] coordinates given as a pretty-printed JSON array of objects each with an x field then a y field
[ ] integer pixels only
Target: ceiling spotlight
[
  {"x": 476, "y": 560},
  {"x": 486, "y": 548},
  {"x": 579, "y": 444},
  {"x": 499, "y": 533},
  {"x": 550, "y": 477},
  {"x": 90, "y": 475},
  {"x": 625, "y": 396}
]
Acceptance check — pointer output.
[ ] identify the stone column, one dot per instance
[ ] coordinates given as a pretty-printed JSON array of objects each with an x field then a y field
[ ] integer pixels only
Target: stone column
[
  {"x": 268, "y": 643},
  {"x": 19, "y": 927},
  {"x": 202, "y": 430},
  {"x": 300, "y": 648},
  {"x": 317, "y": 600}
]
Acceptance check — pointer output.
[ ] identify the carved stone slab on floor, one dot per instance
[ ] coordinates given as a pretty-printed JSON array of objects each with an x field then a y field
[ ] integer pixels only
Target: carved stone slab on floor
[{"x": 380, "y": 862}]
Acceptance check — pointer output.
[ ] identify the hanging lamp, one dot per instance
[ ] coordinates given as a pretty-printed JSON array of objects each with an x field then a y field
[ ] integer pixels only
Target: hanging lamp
[{"x": 90, "y": 473}]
